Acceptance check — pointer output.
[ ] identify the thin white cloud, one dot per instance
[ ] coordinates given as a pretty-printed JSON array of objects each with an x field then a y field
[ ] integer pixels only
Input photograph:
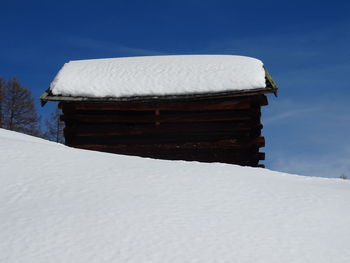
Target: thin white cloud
[
  {"x": 110, "y": 47},
  {"x": 294, "y": 55},
  {"x": 308, "y": 138},
  {"x": 292, "y": 113},
  {"x": 332, "y": 164}
]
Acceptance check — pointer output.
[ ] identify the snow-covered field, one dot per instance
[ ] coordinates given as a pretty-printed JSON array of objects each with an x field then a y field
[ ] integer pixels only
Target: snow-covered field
[{"x": 59, "y": 204}]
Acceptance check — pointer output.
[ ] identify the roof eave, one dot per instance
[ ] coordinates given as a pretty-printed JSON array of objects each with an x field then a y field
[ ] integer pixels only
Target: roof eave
[
  {"x": 271, "y": 87},
  {"x": 48, "y": 96},
  {"x": 270, "y": 82}
]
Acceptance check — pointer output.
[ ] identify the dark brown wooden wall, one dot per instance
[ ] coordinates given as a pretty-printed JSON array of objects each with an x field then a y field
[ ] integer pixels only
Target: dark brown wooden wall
[{"x": 224, "y": 130}]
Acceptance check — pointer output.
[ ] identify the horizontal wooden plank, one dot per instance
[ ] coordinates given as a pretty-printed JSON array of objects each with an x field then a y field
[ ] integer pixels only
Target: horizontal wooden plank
[
  {"x": 222, "y": 144},
  {"x": 162, "y": 117},
  {"x": 209, "y": 106},
  {"x": 162, "y": 130},
  {"x": 261, "y": 156},
  {"x": 225, "y": 156},
  {"x": 232, "y": 103},
  {"x": 163, "y": 138},
  {"x": 135, "y": 149}
]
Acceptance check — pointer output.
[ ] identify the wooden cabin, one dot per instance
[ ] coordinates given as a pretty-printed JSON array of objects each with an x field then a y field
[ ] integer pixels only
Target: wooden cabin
[{"x": 161, "y": 117}]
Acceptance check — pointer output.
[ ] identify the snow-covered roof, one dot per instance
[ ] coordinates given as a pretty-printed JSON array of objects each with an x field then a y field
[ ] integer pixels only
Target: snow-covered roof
[{"x": 158, "y": 76}]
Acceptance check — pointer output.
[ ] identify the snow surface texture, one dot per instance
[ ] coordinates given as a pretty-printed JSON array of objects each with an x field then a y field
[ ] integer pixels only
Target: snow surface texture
[
  {"x": 59, "y": 204},
  {"x": 158, "y": 75}
]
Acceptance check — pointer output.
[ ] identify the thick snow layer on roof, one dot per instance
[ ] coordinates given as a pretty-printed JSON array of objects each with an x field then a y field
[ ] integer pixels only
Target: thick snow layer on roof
[
  {"x": 59, "y": 204},
  {"x": 158, "y": 75}
]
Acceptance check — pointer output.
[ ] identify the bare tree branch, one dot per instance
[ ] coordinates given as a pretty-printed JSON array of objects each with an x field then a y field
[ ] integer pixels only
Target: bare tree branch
[{"x": 18, "y": 111}]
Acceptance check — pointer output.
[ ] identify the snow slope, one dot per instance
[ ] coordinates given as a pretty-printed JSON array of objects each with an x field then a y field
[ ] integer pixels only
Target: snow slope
[
  {"x": 59, "y": 204},
  {"x": 158, "y": 75}
]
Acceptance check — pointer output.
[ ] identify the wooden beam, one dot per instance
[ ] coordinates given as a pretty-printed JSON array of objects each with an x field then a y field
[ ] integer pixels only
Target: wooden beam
[
  {"x": 164, "y": 117},
  {"x": 48, "y": 96},
  {"x": 253, "y": 144},
  {"x": 261, "y": 156},
  {"x": 161, "y": 138},
  {"x": 164, "y": 129},
  {"x": 220, "y": 104},
  {"x": 219, "y": 155}
]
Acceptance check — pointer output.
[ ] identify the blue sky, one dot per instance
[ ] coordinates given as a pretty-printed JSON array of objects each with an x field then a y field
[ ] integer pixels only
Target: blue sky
[{"x": 304, "y": 45}]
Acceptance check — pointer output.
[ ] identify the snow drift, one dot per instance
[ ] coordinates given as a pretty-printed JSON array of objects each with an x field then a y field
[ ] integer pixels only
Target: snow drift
[{"x": 59, "y": 204}]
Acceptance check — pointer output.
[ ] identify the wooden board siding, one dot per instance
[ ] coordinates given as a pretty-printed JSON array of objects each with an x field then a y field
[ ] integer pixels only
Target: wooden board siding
[{"x": 213, "y": 130}]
